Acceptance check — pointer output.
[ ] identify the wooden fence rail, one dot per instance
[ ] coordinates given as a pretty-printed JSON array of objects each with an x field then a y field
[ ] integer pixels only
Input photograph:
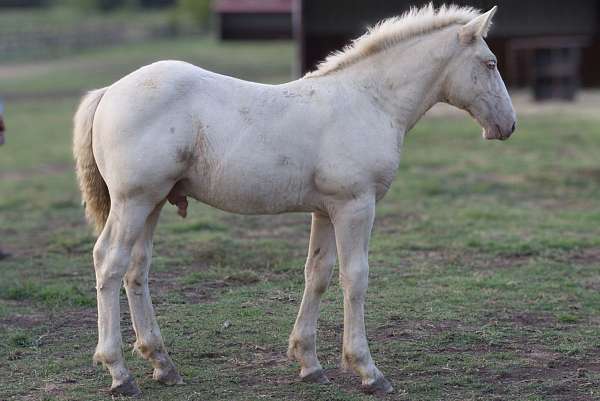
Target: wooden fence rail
[{"x": 44, "y": 42}]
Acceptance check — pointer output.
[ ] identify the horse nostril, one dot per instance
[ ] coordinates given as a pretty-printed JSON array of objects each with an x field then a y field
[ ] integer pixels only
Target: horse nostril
[{"x": 514, "y": 126}]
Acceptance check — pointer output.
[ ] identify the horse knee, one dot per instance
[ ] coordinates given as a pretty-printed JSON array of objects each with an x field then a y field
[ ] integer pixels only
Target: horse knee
[
  {"x": 355, "y": 292},
  {"x": 355, "y": 282}
]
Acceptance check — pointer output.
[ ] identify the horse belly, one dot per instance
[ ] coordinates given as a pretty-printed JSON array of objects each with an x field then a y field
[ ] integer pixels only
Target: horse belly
[{"x": 267, "y": 188}]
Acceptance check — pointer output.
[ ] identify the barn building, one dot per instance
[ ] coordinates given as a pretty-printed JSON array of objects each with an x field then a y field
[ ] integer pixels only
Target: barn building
[{"x": 254, "y": 19}]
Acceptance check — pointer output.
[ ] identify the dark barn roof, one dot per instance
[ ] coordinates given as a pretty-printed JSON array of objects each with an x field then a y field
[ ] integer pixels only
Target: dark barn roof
[{"x": 253, "y": 6}]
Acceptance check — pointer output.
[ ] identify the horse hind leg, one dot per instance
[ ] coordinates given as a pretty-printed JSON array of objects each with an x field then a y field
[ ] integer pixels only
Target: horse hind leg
[
  {"x": 112, "y": 256},
  {"x": 149, "y": 343},
  {"x": 317, "y": 271}
]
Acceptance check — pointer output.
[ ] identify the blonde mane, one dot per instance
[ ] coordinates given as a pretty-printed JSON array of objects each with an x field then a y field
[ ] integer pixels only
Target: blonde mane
[{"x": 387, "y": 33}]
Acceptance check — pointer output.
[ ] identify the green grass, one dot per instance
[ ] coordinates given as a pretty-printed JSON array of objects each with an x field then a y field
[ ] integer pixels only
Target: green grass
[{"x": 485, "y": 260}]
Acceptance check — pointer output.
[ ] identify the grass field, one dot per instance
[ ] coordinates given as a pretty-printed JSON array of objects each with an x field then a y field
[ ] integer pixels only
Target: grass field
[{"x": 485, "y": 260}]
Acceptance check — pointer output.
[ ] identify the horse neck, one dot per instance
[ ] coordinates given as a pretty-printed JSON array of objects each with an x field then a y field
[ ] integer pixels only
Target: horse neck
[{"x": 407, "y": 79}]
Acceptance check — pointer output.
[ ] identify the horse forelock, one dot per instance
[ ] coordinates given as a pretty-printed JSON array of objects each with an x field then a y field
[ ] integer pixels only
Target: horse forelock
[{"x": 391, "y": 31}]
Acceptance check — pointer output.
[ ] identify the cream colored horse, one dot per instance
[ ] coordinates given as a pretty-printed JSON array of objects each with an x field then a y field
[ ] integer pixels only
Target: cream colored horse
[{"x": 328, "y": 144}]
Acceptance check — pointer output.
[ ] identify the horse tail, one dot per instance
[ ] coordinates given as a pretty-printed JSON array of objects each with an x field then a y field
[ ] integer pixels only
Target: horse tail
[{"x": 96, "y": 199}]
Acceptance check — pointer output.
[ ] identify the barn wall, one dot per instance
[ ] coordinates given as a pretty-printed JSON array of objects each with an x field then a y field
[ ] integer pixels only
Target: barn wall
[{"x": 250, "y": 26}]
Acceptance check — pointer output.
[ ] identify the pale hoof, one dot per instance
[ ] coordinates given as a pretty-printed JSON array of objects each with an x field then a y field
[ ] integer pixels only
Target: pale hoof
[
  {"x": 318, "y": 377},
  {"x": 380, "y": 386},
  {"x": 127, "y": 388},
  {"x": 170, "y": 378}
]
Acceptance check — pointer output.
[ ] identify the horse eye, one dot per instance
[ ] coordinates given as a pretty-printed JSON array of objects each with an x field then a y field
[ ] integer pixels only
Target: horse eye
[{"x": 491, "y": 64}]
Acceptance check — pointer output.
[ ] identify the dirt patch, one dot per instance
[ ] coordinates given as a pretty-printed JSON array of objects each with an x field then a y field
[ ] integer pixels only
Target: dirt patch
[
  {"x": 529, "y": 319},
  {"x": 203, "y": 293},
  {"x": 78, "y": 318},
  {"x": 24, "y": 321},
  {"x": 284, "y": 226},
  {"x": 392, "y": 223},
  {"x": 481, "y": 262},
  {"x": 592, "y": 174},
  {"x": 501, "y": 261},
  {"x": 167, "y": 284},
  {"x": 46, "y": 328},
  {"x": 43, "y": 170},
  {"x": 562, "y": 379},
  {"x": 586, "y": 256},
  {"x": 399, "y": 328}
]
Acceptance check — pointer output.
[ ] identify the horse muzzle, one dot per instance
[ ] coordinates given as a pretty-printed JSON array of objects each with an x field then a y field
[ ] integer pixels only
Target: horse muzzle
[{"x": 495, "y": 131}]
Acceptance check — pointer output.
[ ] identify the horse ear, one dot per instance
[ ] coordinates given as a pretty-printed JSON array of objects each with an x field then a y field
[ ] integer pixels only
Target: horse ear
[{"x": 478, "y": 26}]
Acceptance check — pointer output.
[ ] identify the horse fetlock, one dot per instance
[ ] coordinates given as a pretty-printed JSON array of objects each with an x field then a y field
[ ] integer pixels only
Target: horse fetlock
[
  {"x": 360, "y": 361},
  {"x": 292, "y": 350},
  {"x": 152, "y": 350},
  {"x": 107, "y": 358},
  {"x": 303, "y": 350},
  {"x": 299, "y": 346}
]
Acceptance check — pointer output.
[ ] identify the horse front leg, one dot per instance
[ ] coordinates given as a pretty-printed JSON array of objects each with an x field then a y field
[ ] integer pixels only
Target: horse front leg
[
  {"x": 353, "y": 222},
  {"x": 317, "y": 275}
]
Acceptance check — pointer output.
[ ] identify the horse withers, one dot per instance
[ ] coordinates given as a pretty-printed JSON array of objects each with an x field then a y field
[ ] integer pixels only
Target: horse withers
[{"x": 328, "y": 143}]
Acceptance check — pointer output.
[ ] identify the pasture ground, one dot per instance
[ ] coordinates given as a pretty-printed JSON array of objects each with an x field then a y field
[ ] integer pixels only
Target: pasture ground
[{"x": 485, "y": 260}]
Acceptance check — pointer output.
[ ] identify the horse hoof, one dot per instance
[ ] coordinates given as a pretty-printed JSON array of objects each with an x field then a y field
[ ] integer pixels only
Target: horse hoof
[
  {"x": 170, "y": 378},
  {"x": 380, "y": 386},
  {"x": 127, "y": 388},
  {"x": 318, "y": 377}
]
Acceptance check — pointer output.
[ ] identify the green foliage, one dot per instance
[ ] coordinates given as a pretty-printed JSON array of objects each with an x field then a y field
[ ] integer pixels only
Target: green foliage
[
  {"x": 191, "y": 15},
  {"x": 199, "y": 10},
  {"x": 21, "y": 340},
  {"x": 99, "y": 5}
]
